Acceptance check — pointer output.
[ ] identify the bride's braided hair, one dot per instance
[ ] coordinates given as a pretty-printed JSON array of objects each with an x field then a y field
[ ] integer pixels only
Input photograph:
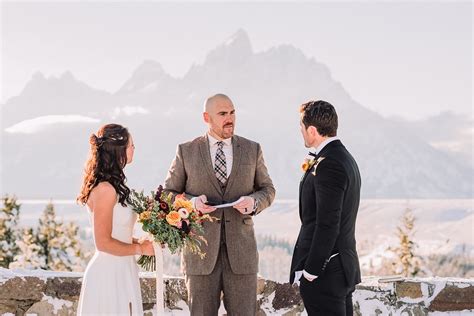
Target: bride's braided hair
[{"x": 108, "y": 157}]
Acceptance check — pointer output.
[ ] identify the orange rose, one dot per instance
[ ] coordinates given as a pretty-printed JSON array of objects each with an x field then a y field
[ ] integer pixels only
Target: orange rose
[
  {"x": 307, "y": 164},
  {"x": 145, "y": 216},
  {"x": 183, "y": 203},
  {"x": 173, "y": 218}
]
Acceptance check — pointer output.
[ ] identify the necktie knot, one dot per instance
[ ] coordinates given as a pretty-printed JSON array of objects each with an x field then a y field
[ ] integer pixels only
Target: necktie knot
[{"x": 220, "y": 144}]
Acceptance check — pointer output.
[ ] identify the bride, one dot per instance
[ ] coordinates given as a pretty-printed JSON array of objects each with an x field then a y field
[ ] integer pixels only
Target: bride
[{"x": 110, "y": 285}]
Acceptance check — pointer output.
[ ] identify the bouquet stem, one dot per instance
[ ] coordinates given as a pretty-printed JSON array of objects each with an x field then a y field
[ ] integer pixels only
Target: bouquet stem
[{"x": 148, "y": 263}]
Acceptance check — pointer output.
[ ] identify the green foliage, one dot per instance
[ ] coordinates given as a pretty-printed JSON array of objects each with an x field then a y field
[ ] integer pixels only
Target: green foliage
[
  {"x": 53, "y": 245},
  {"x": 9, "y": 232},
  {"x": 408, "y": 263},
  {"x": 177, "y": 232}
]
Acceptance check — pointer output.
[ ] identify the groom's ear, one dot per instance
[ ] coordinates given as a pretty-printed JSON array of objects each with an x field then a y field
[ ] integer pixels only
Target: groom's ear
[{"x": 312, "y": 130}]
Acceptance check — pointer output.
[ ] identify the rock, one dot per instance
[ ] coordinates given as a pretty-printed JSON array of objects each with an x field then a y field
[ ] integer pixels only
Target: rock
[
  {"x": 453, "y": 298},
  {"x": 269, "y": 288},
  {"x": 8, "y": 306},
  {"x": 58, "y": 295},
  {"x": 285, "y": 296},
  {"x": 45, "y": 308},
  {"x": 23, "y": 288},
  {"x": 64, "y": 288},
  {"x": 148, "y": 287},
  {"x": 261, "y": 283},
  {"x": 408, "y": 289},
  {"x": 175, "y": 292}
]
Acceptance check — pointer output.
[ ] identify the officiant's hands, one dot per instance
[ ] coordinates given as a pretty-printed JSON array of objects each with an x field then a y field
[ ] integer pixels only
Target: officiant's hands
[
  {"x": 246, "y": 206},
  {"x": 200, "y": 204}
]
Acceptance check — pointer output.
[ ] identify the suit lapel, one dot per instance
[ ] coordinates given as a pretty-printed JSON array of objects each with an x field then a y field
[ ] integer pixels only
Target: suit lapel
[
  {"x": 322, "y": 153},
  {"x": 206, "y": 158},
  {"x": 301, "y": 190},
  {"x": 237, "y": 155}
]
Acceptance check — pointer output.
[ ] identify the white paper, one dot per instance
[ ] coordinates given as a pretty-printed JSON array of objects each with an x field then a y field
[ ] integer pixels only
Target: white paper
[{"x": 229, "y": 204}]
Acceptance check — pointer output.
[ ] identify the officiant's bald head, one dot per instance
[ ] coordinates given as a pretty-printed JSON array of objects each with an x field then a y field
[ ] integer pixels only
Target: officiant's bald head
[
  {"x": 219, "y": 114},
  {"x": 212, "y": 101}
]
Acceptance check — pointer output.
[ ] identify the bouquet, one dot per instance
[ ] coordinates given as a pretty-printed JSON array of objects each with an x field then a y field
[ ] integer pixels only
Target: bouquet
[{"x": 174, "y": 223}]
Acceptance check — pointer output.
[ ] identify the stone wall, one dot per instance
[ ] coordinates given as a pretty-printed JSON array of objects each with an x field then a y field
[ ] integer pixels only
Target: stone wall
[{"x": 51, "y": 293}]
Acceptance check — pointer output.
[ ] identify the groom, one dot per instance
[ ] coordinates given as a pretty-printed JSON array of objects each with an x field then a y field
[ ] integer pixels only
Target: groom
[
  {"x": 325, "y": 261},
  {"x": 213, "y": 169}
]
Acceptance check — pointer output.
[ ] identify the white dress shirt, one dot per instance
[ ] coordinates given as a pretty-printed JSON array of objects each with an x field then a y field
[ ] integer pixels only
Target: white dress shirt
[
  {"x": 300, "y": 273},
  {"x": 227, "y": 149}
]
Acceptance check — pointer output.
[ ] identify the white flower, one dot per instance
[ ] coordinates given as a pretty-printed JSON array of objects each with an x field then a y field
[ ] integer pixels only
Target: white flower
[{"x": 183, "y": 213}]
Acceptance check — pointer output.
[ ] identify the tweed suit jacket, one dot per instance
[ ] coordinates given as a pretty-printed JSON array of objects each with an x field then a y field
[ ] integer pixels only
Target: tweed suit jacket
[{"x": 192, "y": 173}]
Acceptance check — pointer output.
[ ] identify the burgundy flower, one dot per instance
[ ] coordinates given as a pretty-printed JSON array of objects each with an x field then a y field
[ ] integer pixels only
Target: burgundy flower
[
  {"x": 185, "y": 227},
  {"x": 164, "y": 206},
  {"x": 159, "y": 191}
]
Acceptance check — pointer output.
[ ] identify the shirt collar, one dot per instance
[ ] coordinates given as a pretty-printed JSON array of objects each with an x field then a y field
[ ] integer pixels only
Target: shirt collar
[
  {"x": 323, "y": 144},
  {"x": 213, "y": 140}
]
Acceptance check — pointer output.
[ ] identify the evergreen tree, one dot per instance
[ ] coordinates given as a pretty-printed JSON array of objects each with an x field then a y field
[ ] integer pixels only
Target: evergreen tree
[
  {"x": 9, "y": 233},
  {"x": 29, "y": 254},
  {"x": 408, "y": 263},
  {"x": 59, "y": 244}
]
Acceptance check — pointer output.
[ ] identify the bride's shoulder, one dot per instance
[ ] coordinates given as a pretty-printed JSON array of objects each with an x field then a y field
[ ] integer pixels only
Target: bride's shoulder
[{"x": 104, "y": 190}]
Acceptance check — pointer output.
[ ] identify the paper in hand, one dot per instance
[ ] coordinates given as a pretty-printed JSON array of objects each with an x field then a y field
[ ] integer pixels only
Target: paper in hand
[{"x": 229, "y": 204}]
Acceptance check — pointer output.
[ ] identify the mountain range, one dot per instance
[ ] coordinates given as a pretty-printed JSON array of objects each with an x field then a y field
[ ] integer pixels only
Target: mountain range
[{"x": 45, "y": 129}]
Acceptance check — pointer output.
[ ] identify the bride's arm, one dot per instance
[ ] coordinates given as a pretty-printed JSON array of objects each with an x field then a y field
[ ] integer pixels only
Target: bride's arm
[{"x": 102, "y": 201}]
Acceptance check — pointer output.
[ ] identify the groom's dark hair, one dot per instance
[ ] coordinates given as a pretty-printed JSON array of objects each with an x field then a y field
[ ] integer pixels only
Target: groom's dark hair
[{"x": 320, "y": 114}]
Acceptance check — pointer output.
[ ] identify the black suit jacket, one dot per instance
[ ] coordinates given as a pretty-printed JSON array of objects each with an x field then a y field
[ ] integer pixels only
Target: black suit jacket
[{"x": 328, "y": 204}]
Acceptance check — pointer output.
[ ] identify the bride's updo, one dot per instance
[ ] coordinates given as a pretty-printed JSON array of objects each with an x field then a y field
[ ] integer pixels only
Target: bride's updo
[{"x": 108, "y": 157}]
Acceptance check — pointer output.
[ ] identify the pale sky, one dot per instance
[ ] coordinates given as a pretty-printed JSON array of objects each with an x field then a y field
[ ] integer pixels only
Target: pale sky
[{"x": 410, "y": 59}]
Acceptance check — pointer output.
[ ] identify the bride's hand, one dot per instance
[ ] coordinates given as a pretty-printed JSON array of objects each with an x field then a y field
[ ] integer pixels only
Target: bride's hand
[{"x": 146, "y": 248}]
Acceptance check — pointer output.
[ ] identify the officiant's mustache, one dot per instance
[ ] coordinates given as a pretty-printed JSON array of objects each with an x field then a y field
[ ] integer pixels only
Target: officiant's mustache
[{"x": 228, "y": 125}]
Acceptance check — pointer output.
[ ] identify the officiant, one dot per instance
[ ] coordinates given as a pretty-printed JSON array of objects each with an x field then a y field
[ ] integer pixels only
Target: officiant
[{"x": 215, "y": 169}]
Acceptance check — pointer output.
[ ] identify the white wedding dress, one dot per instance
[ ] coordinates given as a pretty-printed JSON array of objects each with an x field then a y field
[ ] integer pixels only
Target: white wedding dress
[{"x": 110, "y": 285}]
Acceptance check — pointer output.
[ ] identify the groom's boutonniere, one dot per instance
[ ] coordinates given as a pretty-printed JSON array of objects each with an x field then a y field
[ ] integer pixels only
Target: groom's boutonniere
[
  {"x": 316, "y": 164},
  {"x": 307, "y": 164}
]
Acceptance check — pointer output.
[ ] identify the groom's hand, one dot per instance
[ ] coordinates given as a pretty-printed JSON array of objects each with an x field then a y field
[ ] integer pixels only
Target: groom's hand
[
  {"x": 246, "y": 206},
  {"x": 199, "y": 204},
  {"x": 308, "y": 278}
]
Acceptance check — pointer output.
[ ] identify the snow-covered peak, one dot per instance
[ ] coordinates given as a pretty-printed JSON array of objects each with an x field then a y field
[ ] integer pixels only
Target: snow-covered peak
[
  {"x": 149, "y": 67},
  {"x": 239, "y": 40},
  {"x": 235, "y": 50},
  {"x": 147, "y": 77}
]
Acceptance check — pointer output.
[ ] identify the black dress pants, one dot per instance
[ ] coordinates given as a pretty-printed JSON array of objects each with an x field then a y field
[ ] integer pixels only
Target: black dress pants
[{"x": 329, "y": 294}]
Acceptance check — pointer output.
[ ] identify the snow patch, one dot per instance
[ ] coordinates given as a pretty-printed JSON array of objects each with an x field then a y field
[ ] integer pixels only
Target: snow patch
[
  {"x": 38, "y": 124},
  {"x": 6, "y": 274},
  {"x": 57, "y": 303},
  {"x": 128, "y": 111}
]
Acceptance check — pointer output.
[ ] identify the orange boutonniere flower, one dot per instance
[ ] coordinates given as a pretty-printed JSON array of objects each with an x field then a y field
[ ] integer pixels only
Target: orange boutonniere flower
[{"x": 307, "y": 164}]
